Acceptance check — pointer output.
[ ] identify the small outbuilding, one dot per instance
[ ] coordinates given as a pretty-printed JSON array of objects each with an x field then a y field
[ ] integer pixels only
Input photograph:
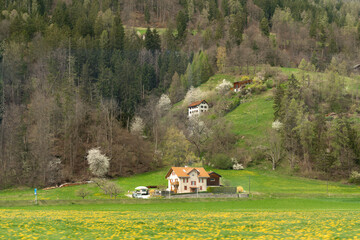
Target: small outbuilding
[{"x": 214, "y": 179}]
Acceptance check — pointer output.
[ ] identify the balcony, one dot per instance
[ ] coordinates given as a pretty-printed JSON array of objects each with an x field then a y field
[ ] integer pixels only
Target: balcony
[{"x": 176, "y": 183}]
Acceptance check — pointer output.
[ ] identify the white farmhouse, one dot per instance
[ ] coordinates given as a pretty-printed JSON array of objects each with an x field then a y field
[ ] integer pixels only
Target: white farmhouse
[
  {"x": 196, "y": 108},
  {"x": 187, "y": 179}
]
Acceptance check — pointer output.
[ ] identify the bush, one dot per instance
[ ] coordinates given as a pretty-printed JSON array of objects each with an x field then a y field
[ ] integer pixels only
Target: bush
[
  {"x": 83, "y": 193},
  {"x": 234, "y": 103},
  {"x": 221, "y": 161},
  {"x": 109, "y": 188},
  {"x": 239, "y": 189},
  {"x": 355, "y": 177},
  {"x": 225, "y": 190},
  {"x": 269, "y": 83}
]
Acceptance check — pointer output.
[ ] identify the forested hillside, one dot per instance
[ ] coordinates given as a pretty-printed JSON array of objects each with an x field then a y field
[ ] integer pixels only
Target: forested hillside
[{"x": 81, "y": 74}]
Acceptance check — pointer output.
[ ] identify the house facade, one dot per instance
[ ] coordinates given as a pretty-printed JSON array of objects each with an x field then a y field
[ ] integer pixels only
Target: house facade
[
  {"x": 187, "y": 179},
  {"x": 239, "y": 85},
  {"x": 197, "y": 108}
]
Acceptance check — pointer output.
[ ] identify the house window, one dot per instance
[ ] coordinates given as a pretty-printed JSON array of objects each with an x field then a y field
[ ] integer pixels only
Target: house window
[
  {"x": 212, "y": 179},
  {"x": 193, "y": 183},
  {"x": 185, "y": 187},
  {"x": 187, "y": 180},
  {"x": 200, "y": 187}
]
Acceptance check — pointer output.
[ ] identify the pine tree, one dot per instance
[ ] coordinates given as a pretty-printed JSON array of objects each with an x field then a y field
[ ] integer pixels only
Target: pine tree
[
  {"x": 279, "y": 94},
  {"x": 147, "y": 14},
  {"x": 117, "y": 34},
  {"x": 148, "y": 39},
  {"x": 237, "y": 27},
  {"x": 181, "y": 24},
  {"x": 156, "y": 41},
  {"x": 264, "y": 26}
]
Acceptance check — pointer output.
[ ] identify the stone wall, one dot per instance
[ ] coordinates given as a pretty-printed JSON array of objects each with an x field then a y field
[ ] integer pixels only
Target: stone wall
[{"x": 209, "y": 195}]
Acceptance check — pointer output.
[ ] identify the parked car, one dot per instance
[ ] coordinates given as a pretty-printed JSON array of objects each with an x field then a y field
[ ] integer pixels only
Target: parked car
[{"x": 141, "y": 192}]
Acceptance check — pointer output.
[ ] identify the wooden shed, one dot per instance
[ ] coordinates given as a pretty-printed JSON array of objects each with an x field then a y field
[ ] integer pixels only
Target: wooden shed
[{"x": 214, "y": 179}]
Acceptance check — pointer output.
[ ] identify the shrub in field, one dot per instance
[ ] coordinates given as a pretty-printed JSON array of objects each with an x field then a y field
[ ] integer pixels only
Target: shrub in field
[
  {"x": 109, "y": 188},
  {"x": 239, "y": 189},
  {"x": 225, "y": 190},
  {"x": 236, "y": 164},
  {"x": 225, "y": 182},
  {"x": 112, "y": 189},
  {"x": 83, "y": 193},
  {"x": 354, "y": 177},
  {"x": 98, "y": 162}
]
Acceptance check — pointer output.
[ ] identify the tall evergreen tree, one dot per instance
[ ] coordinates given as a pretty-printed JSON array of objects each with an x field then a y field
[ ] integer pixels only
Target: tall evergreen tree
[
  {"x": 117, "y": 34},
  {"x": 264, "y": 27},
  {"x": 181, "y": 24}
]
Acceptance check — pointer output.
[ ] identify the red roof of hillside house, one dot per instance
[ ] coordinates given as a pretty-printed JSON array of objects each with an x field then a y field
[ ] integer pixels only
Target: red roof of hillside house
[
  {"x": 184, "y": 172},
  {"x": 241, "y": 83},
  {"x": 194, "y": 104}
]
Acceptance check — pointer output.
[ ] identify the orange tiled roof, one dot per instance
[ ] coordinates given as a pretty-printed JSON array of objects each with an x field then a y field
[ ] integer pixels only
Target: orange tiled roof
[
  {"x": 194, "y": 104},
  {"x": 184, "y": 172}
]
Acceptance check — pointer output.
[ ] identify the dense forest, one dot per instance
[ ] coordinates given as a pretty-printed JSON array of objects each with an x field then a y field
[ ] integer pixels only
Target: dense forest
[{"x": 75, "y": 75}]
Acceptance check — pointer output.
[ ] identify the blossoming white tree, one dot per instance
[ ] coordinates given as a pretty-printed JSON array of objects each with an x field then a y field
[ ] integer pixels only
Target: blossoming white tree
[
  {"x": 223, "y": 87},
  {"x": 192, "y": 95},
  {"x": 98, "y": 162},
  {"x": 164, "y": 104},
  {"x": 137, "y": 126},
  {"x": 277, "y": 125}
]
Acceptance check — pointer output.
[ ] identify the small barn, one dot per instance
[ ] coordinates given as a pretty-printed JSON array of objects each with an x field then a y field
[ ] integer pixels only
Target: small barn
[{"x": 214, "y": 179}]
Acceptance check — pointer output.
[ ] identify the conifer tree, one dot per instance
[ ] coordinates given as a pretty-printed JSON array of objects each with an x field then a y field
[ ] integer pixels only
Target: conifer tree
[{"x": 264, "y": 26}]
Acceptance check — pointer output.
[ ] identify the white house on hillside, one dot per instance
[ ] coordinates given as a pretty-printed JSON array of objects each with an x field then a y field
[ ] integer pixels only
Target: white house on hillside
[
  {"x": 196, "y": 108},
  {"x": 187, "y": 179}
]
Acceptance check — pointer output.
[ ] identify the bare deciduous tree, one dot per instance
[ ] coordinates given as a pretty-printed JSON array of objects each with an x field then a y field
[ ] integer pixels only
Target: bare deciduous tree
[
  {"x": 83, "y": 193},
  {"x": 275, "y": 148}
]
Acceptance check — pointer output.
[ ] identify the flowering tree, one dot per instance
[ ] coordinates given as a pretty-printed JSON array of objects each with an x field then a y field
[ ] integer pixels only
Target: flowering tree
[
  {"x": 98, "y": 162},
  {"x": 277, "y": 125},
  {"x": 192, "y": 95},
  {"x": 137, "y": 126},
  {"x": 164, "y": 104},
  {"x": 223, "y": 87}
]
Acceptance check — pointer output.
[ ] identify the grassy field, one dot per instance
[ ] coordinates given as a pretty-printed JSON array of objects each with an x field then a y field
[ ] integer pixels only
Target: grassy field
[
  {"x": 253, "y": 118},
  {"x": 263, "y": 183},
  {"x": 250, "y": 219}
]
